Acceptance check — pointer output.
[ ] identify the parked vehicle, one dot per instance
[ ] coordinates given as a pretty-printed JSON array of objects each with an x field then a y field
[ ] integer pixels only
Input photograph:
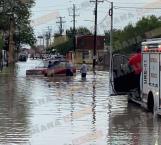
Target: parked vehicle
[
  {"x": 36, "y": 71},
  {"x": 150, "y": 80},
  {"x": 53, "y": 58},
  {"x": 58, "y": 68},
  {"x": 4, "y": 58},
  {"x": 22, "y": 57}
]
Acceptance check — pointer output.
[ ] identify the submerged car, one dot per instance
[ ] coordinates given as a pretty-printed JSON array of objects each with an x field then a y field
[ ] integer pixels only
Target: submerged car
[
  {"x": 58, "y": 68},
  {"x": 36, "y": 71},
  {"x": 22, "y": 57}
]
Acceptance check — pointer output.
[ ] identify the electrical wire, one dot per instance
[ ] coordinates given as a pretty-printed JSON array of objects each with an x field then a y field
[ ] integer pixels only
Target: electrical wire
[
  {"x": 118, "y": 7},
  {"x": 133, "y": 3}
]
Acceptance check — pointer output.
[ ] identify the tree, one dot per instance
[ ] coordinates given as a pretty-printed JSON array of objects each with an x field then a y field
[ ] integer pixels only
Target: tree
[
  {"x": 79, "y": 31},
  {"x": 64, "y": 47},
  {"x": 130, "y": 38},
  {"x": 25, "y": 35},
  {"x": 18, "y": 12},
  {"x": 147, "y": 24},
  {"x": 67, "y": 45}
]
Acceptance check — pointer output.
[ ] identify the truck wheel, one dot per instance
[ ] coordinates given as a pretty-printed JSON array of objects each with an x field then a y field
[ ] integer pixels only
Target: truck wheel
[
  {"x": 150, "y": 102},
  {"x": 52, "y": 75},
  {"x": 45, "y": 74}
]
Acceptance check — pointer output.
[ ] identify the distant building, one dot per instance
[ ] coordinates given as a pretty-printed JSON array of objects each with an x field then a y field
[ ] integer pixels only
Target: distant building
[
  {"x": 86, "y": 42},
  {"x": 60, "y": 39},
  {"x": 85, "y": 46}
]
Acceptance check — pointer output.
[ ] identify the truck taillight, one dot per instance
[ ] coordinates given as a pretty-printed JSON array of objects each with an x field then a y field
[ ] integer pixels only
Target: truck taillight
[
  {"x": 159, "y": 48},
  {"x": 145, "y": 49}
]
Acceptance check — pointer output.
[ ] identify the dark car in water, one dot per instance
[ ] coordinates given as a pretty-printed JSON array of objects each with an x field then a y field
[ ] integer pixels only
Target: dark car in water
[{"x": 22, "y": 57}]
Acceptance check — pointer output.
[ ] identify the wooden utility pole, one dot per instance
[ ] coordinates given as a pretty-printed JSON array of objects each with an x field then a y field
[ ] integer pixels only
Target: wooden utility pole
[
  {"x": 111, "y": 45},
  {"x": 95, "y": 35},
  {"x": 74, "y": 27},
  {"x": 61, "y": 25}
]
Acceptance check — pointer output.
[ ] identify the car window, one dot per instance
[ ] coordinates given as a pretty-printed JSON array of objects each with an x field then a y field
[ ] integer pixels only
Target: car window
[
  {"x": 56, "y": 63},
  {"x": 62, "y": 64}
]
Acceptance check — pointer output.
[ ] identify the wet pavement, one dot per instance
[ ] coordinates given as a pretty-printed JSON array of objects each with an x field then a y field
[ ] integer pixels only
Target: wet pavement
[{"x": 35, "y": 110}]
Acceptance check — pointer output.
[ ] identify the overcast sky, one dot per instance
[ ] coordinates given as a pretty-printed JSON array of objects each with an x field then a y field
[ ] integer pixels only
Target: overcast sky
[{"x": 45, "y": 13}]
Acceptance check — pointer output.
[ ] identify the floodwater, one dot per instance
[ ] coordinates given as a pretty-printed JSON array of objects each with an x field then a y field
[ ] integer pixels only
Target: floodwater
[{"x": 35, "y": 110}]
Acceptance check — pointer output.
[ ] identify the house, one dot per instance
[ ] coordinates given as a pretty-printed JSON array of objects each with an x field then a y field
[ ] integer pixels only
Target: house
[{"x": 85, "y": 47}]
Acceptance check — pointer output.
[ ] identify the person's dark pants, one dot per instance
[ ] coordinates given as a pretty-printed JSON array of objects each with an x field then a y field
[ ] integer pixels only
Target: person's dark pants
[
  {"x": 127, "y": 82},
  {"x": 83, "y": 75},
  {"x": 69, "y": 72},
  {"x": 137, "y": 81}
]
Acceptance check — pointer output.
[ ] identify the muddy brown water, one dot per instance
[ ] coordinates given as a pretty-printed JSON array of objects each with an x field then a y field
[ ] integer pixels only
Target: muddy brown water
[{"x": 35, "y": 110}]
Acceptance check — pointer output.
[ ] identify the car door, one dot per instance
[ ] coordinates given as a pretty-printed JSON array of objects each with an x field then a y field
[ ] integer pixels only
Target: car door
[{"x": 123, "y": 79}]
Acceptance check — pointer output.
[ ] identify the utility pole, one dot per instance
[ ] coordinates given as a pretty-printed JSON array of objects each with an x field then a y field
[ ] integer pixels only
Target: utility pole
[
  {"x": 95, "y": 35},
  {"x": 111, "y": 44},
  {"x": 48, "y": 36},
  {"x": 61, "y": 25},
  {"x": 74, "y": 27},
  {"x": 43, "y": 43},
  {"x": 111, "y": 33}
]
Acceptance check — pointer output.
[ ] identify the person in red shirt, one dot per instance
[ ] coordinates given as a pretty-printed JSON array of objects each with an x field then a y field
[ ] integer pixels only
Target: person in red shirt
[{"x": 135, "y": 63}]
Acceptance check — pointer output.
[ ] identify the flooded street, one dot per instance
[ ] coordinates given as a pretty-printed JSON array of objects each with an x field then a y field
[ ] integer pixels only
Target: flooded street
[{"x": 36, "y": 110}]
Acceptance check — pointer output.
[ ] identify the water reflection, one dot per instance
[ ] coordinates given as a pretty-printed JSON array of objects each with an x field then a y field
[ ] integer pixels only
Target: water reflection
[
  {"x": 63, "y": 111},
  {"x": 134, "y": 126},
  {"x": 94, "y": 105},
  {"x": 13, "y": 120}
]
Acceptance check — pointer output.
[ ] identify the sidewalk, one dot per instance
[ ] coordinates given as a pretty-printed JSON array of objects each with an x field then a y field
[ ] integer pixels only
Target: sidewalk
[{"x": 7, "y": 70}]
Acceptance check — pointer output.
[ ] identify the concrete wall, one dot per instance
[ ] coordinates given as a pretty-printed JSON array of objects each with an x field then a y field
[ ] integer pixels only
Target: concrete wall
[{"x": 103, "y": 57}]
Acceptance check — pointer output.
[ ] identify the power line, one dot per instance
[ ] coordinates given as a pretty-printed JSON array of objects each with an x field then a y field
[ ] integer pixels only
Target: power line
[
  {"x": 126, "y": 3},
  {"x": 47, "y": 10},
  {"x": 132, "y": 3},
  {"x": 118, "y": 7},
  {"x": 52, "y": 6},
  {"x": 85, "y": 9},
  {"x": 102, "y": 10}
]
